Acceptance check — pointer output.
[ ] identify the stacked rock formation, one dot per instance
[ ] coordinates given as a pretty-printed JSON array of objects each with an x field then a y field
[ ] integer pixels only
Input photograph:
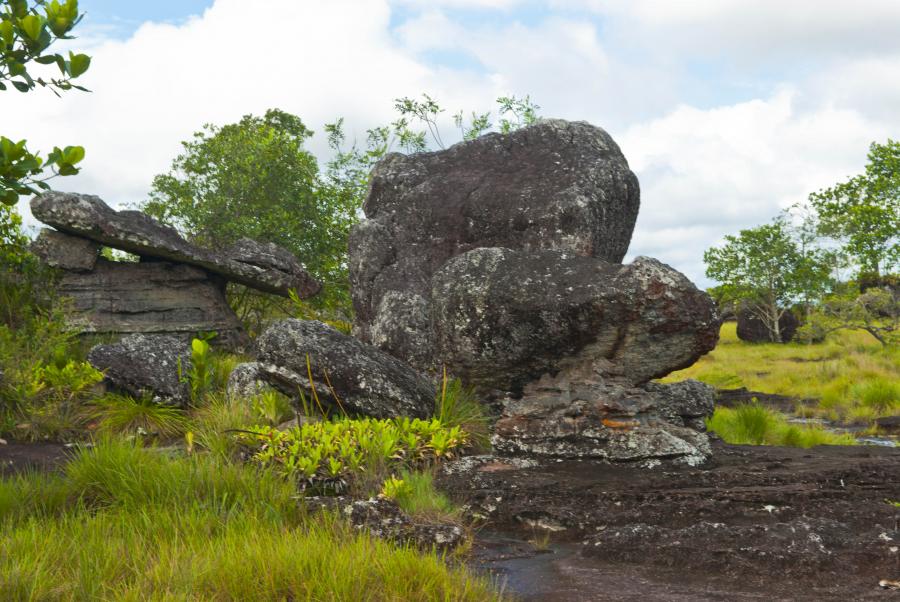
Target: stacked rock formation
[
  {"x": 499, "y": 259},
  {"x": 177, "y": 288}
]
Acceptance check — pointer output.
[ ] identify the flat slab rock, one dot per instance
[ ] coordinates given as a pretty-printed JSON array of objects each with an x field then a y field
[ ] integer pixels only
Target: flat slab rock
[
  {"x": 753, "y": 523},
  {"x": 259, "y": 266},
  {"x": 151, "y": 298},
  {"x": 554, "y": 185},
  {"x": 346, "y": 373}
]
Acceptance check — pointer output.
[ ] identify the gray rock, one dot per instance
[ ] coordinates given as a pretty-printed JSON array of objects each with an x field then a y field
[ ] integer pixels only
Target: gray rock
[
  {"x": 583, "y": 413},
  {"x": 686, "y": 403},
  {"x": 365, "y": 380},
  {"x": 135, "y": 232},
  {"x": 554, "y": 185},
  {"x": 753, "y": 330},
  {"x": 151, "y": 298},
  {"x": 383, "y": 518},
  {"x": 66, "y": 252},
  {"x": 502, "y": 318},
  {"x": 246, "y": 381},
  {"x": 146, "y": 365}
]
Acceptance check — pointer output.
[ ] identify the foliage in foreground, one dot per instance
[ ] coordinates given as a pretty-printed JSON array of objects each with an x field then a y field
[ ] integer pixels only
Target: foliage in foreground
[
  {"x": 839, "y": 372},
  {"x": 753, "y": 424},
  {"x": 333, "y": 453},
  {"x": 128, "y": 523}
]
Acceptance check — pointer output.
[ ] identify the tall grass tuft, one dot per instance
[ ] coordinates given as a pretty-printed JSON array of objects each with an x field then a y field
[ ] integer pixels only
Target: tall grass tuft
[
  {"x": 122, "y": 414},
  {"x": 753, "y": 424},
  {"x": 457, "y": 405}
]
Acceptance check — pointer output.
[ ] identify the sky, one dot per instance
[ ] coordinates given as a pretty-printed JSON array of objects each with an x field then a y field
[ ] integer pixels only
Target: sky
[{"x": 728, "y": 111}]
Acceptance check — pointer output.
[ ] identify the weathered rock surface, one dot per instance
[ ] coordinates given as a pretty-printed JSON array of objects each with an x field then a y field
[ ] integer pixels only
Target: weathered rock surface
[
  {"x": 502, "y": 318},
  {"x": 383, "y": 518},
  {"x": 753, "y": 330},
  {"x": 245, "y": 381},
  {"x": 89, "y": 217},
  {"x": 815, "y": 518},
  {"x": 152, "y": 298},
  {"x": 346, "y": 373},
  {"x": 146, "y": 365},
  {"x": 580, "y": 413},
  {"x": 62, "y": 251},
  {"x": 555, "y": 185}
]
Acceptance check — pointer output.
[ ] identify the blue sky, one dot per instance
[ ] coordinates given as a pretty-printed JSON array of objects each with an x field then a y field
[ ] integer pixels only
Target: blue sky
[{"x": 727, "y": 110}]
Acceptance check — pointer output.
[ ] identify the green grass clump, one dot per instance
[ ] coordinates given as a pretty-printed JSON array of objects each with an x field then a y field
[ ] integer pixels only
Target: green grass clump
[
  {"x": 851, "y": 374},
  {"x": 457, "y": 405},
  {"x": 753, "y": 424},
  {"x": 124, "y": 522},
  {"x": 418, "y": 497},
  {"x": 122, "y": 414}
]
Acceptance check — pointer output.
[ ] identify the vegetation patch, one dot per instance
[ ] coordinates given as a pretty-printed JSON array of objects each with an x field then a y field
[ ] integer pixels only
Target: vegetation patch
[{"x": 753, "y": 424}]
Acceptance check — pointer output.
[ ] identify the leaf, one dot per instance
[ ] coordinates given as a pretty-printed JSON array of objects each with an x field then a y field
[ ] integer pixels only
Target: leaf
[
  {"x": 9, "y": 197},
  {"x": 21, "y": 86},
  {"x": 47, "y": 59},
  {"x": 78, "y": 64},
  {"x": 32, "y": 25},
  {"x": 73, "y": 154}
]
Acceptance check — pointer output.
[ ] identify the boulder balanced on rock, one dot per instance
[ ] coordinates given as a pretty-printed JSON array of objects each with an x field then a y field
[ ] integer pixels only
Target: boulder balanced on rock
[
  {"x": 499, "y": 259},
  {"x": 177, "y": 288}
]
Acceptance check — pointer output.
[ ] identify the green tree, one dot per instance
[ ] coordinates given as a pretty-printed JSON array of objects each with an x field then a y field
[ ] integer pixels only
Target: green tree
[
  {"x": 767, "y": 270},
  {"x": 27, "y": 30},
  {"x": 877, "y": 311},
  {"x": 864, "y": 212},
  {"x": 255, "y": 179}
]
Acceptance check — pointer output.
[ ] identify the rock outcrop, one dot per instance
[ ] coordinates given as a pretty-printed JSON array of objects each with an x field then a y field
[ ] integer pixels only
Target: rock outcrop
[
  {"x": 499, "y": 259},
  {"x": 87, "y": 216},
  {"x": 154, "y": 366},
  {"x": 753, "y": 330},
  {"x": 176, "y": 289},
  {"x": 347, "y": 374},
  {"x": 556, "y": 185}
]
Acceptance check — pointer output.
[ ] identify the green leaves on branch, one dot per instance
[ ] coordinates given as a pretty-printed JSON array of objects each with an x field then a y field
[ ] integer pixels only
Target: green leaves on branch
[
  {"x": 26, "y": 32},
  {"x": 19, "y": 168}
]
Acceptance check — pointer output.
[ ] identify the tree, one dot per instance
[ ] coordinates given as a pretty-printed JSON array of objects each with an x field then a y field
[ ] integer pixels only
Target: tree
[
  {"x": 864, "y": 211},
  {"x": 26, "y": 33},
  {"x": 877, "y": 311},
  {"x": 255, "y": 179},
  {"x": 766, "y": 269}
]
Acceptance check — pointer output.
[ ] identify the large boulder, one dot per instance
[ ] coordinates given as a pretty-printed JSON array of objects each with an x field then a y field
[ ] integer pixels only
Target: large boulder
[
  {"x": 753, "y": 330},
  {"x": 87, "y": 216},
  {"x": 140, "y": 365},
  {"x": 555, "y": 185},
  {"x": 502, "y": 318},
  {"x": 152, "y": 298},
  {"x": 347, "y": 375}
]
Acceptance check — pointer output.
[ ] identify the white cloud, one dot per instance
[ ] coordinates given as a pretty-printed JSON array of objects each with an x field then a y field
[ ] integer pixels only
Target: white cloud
[{"x": 705, "y": 170}]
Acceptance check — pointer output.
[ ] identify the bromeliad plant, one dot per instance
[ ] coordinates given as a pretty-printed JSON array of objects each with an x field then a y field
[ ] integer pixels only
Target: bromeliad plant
[{"x": 329, "y": 455}]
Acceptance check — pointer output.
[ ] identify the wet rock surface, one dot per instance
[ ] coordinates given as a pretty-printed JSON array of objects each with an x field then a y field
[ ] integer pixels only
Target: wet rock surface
[
  {"x": 151, "y": 365},
  {"x": 87, "y": 216},
  {"x": 755, "y": 522},
  {"x": 347, "y": 374},
  {"x": 555, "y": 185}
]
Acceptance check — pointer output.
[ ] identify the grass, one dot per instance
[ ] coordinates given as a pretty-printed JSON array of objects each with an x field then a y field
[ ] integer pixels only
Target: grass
[
  {"x": 419, "y": 498},
  {"x": 129, "y": 523},
  {"x": 854, "y": 378},
  {"x": 126, "y": 415},
  {"x": 753, "y": 424}
]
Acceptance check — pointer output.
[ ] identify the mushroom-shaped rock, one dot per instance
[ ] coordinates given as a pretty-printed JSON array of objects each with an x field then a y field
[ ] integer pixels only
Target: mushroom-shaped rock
[
  {"x": 553, "y": 185},
  {"x": 89, "y": 217},
  {"x": 346, "y": 374}
]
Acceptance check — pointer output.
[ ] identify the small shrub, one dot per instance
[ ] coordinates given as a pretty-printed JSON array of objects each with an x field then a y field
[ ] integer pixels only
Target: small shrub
[{"x": 879, "y": 394}]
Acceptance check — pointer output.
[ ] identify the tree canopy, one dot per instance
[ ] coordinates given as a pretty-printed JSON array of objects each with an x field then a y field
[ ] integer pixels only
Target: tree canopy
[{"x": 864, "y": 212}]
